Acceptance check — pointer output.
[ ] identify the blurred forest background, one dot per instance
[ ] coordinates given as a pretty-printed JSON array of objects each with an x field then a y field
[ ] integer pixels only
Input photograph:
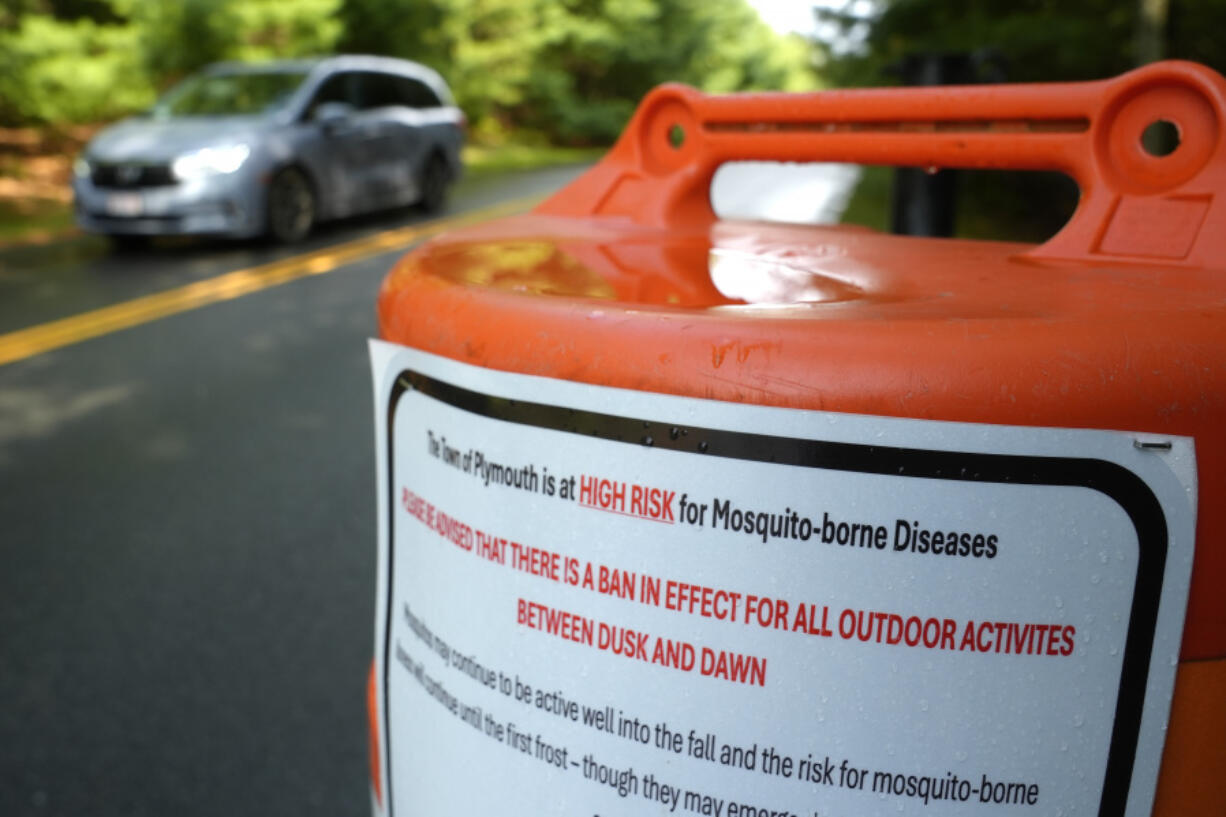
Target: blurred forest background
[
  {"x": 570, "y": 72},
  {"x": 549, "y": 72}
]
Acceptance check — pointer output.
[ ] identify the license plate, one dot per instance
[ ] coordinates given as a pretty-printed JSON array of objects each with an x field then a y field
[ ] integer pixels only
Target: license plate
[{"x": 125, "y": 204}]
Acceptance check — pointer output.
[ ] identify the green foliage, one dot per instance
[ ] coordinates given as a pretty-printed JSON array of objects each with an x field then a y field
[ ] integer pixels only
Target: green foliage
[
  {"x": 177, "y": 38},
  {"x": 601, "y": 56},
  {"x": 408, "y": 28},
  {"x": 274, "y": 28},
  {"x": 574, "y": 69},
  {"x": 55, "y": 71},
  {"x": 569, "y": 71},
  {"x": 183, "y": 36},
  {"x": 1027, "y": 40},
  {"x": 480, "y": 160},
  {"x": 490, "y": 49},
  {"x": 1194, "y": 32},
  {"x": 91, "y": 60}
]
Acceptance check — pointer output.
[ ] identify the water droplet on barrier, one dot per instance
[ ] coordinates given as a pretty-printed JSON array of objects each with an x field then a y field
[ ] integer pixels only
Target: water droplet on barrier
[
  {"x": 648, "y": 440},
  {"x": 674, "y": 433},
  {"x": 702, "y": 446}
]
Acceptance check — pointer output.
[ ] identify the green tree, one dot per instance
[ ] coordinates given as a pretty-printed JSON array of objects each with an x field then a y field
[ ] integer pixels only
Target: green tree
[
  {"x": 568, "y": 70},
  {"x": 602, "y": 56},
  {"x": 65, "y": 61},
  {"x": 181, "y": 37},
  {"x": 406, "y": 28},
  {"x": 1031, "y": 40},
  {"x": 55, "y": 70},
  {"x": 572, "y": 70}
]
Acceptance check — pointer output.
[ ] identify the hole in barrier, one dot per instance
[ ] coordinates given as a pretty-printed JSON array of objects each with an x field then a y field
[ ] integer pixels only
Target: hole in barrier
[
  {"x": 1161, "y": 138},
  {"x": 1026, "y": 206},
  {"x": 676, "y": 137},
  {"x": 783, "y": 192}
]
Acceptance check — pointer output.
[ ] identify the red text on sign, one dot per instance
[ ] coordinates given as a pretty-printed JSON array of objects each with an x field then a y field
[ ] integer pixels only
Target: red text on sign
[
  {"x": 630, "y": 499},
  {"x": 638, "y": 645}
]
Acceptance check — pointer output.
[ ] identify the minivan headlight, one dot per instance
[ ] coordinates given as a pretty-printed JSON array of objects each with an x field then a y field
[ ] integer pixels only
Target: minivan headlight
[
  {"x": 81, "y": 167},
  {"x": 210, "y": 162}
]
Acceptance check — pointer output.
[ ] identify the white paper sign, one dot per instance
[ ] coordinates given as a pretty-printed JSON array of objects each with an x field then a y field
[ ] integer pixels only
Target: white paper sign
[{"x": 595, "y": 601}]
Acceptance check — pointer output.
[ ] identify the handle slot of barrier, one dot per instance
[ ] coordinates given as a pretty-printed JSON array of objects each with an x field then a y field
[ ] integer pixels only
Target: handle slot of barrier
[
  {"x": 1138, "y": 203},
  {"x": 831, "y": 193},
  {"x": 784, "y": 192},
  {"x": 1074, "y": 125}
]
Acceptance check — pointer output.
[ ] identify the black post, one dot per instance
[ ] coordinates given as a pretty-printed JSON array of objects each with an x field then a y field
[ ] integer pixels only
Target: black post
[{"x": 925, "y": 200}]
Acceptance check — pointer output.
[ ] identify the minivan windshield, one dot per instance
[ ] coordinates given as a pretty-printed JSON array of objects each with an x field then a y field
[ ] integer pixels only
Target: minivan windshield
[{"x": 236, "y": 94}]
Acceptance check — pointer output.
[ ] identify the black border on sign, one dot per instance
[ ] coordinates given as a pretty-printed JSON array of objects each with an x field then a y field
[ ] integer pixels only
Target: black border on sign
[{"x": 1110, "y": 479}]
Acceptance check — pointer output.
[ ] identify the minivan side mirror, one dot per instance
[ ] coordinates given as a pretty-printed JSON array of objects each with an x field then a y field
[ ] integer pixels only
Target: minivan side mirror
[{"x": 330, "y": 114}]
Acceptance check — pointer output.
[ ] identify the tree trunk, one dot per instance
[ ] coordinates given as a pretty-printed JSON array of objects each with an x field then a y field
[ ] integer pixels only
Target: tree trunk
[{"x": 1151, "y": 30}]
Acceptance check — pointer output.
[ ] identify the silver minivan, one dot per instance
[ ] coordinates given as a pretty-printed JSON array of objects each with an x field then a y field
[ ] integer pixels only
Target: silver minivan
[{"x": 273, "y": 148}]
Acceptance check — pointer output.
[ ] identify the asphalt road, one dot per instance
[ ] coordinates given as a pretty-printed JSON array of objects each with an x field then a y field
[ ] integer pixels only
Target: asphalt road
[{"x": 187, "y": 532}]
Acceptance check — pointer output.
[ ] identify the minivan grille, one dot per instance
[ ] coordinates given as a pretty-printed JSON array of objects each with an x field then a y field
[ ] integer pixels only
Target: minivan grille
[{"x": 132, "y": 175}]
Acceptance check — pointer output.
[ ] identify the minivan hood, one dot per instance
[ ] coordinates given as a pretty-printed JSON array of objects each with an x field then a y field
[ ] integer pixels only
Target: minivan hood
[{"x": 147, "y": 140}]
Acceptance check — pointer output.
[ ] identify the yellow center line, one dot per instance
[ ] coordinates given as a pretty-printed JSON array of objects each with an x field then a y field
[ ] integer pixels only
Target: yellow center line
[{"x": 36, "y": 340}]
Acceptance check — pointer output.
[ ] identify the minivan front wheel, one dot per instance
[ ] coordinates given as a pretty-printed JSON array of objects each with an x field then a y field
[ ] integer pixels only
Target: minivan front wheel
[
  {"x": 291, "y": 206},
  {"x": 435, "y": 178}
]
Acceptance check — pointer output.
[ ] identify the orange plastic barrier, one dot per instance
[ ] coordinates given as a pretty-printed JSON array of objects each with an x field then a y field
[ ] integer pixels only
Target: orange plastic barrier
[
  {"x": 1118, "y": 322},
  {"x": 1135, "y": 205}
]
